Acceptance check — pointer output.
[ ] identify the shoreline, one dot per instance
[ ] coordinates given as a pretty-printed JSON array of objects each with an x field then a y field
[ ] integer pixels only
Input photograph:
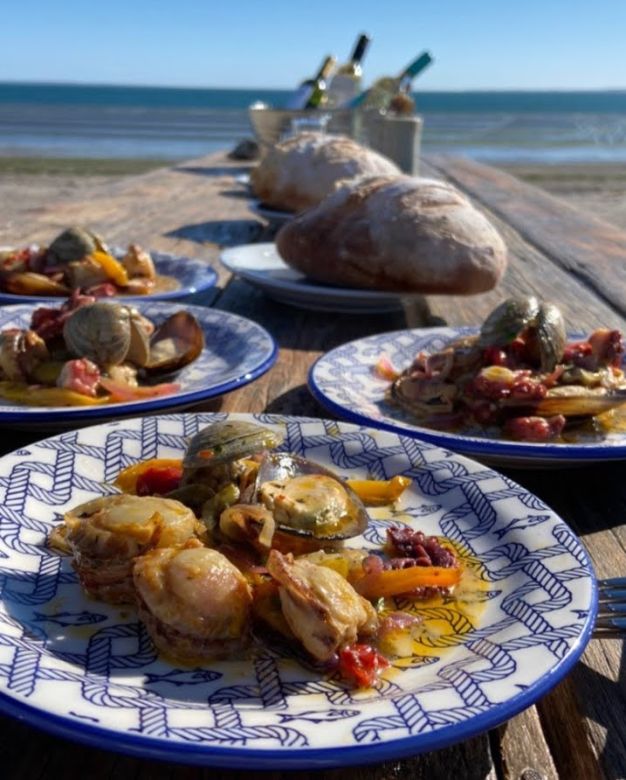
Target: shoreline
[{"x": 29, "y": 183}]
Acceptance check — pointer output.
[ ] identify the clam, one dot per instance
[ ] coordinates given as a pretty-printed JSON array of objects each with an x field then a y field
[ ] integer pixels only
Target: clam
[
  {"x": 226, "y": 441},
  {"x": 218, "y": 455},
  {"x": 110, "y": 334},
  {"x": 306, "y": 499},
  {"x": 175, "y": 343},
  {"x": 75, "y": 243},
  {"x": 541, "y": 321},
  {"x": 280, "y": 491}
]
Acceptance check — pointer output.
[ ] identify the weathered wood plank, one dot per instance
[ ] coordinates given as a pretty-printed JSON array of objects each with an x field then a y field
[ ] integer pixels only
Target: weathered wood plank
[
  {"x": 184, "y": 210},
  {"x": 589, "y": 249},
  {"x": 522, "y": 745},
  {"x": 529, "y": 273}
]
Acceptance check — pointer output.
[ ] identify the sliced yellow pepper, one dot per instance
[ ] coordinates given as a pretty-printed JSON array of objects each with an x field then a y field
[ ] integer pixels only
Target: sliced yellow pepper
[
  {"x": 112, "y": 267},
  {"x": 47, "y": 396},
  {"x": 379, "y": 492},
  {"x": 126, "y": 480}
]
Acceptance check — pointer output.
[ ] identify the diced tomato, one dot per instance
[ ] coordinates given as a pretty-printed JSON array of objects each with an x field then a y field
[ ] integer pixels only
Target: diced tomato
[
  {"x": 534, "y": 428},
  {"x": 494, "y": 356},
  {"x": 361, "y": 664},
  {"x": 159, "y": 480},
  {"x": 576, "y": 351}
]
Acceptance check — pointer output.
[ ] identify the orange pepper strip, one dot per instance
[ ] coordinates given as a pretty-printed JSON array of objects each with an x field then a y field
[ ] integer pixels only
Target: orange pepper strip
[
  {"x": 126, "y": 480},
  {"x": 379, "y": 492},
  {"x": 112, "y": 267},
  {"x": 395, "y": 582},
  {"x": 47, "y": 396}
]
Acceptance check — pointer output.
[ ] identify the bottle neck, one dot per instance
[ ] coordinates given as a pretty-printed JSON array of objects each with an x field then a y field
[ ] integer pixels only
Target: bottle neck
[
  {"x": 417, "y": 66},
  {"x": 359, "y": 50},
  {"x": 325, "y": 71}
]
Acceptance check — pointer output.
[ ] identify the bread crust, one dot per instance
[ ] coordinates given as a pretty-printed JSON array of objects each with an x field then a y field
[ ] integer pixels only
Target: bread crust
[
  {"x": 302, "y": 170},
  {"x": 398, "y": 234}
]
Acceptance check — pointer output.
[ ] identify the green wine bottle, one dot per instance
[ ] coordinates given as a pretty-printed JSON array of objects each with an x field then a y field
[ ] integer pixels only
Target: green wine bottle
[
  {"x": 312, "y": 92},
  {"x": 384, "y": 90}
]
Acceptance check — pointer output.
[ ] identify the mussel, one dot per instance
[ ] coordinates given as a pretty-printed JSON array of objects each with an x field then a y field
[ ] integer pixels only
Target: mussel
[
  {"x": 31, "y": 283},
  {"x": 111, "y": 333},
  {"x": 569, "y": 401},
  {"x": 543, "y": 322}
]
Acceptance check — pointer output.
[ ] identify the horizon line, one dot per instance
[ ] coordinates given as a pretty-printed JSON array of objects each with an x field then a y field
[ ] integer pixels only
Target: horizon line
[{"x": 472, "y": 90}]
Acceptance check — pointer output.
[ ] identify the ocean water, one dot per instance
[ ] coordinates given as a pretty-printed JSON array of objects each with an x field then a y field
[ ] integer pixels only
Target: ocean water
[{"x": 175, "y": 124}]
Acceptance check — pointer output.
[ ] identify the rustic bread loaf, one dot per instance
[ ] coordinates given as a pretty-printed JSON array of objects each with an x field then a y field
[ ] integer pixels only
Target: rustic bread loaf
[
  {"x": 299, "y": 172},
  {"x": 396, "y": 233}
]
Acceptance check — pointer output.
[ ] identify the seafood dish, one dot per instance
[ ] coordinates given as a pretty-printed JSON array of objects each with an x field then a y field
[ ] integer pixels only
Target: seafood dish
[
  {"x": 238, "y": 544},
  {"x": 89, "y": 352},
  {"x": 78, "y": 259},
  {"x": 519, "y": 377}
]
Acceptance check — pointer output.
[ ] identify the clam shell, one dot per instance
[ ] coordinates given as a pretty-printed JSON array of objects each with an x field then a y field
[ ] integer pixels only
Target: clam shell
[
  {"x": 327, "y": 526},
  {"x": 99, "y": 332},
  {"x": 228, "y": 440},
  {"x": 174, "y": 344},
  {"x": 75, "y": 243}
]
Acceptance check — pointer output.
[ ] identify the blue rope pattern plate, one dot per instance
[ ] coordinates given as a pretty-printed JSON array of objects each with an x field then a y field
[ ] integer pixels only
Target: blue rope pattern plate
[
  {"x": 236, "y": 352},
  {"x": 343, "y": 380},
  {"x": 87, "y": 670},
  {"x": 192, "y": 276}
]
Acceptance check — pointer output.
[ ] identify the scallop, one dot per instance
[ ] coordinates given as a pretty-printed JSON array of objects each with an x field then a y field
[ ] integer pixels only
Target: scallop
[
  {"x": 106, "y": 534},
  {"x": 194, "y": 602}
]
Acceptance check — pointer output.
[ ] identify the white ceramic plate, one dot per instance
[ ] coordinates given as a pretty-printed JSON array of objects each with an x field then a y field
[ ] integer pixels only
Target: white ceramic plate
[
  {"x": 343, "y": 381},
  {"x": 236, "y": 352},
  {"x": 86, "y": 670},
  {"x": 261, "y": 265},
  {"x": 191, "y": 275},
  {"x": 275, "y": 216}
]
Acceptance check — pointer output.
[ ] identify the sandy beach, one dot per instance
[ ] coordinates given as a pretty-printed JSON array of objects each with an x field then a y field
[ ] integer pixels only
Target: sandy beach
[{"x": 27, "y": 185}]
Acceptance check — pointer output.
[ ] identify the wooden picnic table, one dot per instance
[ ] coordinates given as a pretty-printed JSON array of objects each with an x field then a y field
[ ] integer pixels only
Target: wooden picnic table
[{"x": 194, "y": 209}]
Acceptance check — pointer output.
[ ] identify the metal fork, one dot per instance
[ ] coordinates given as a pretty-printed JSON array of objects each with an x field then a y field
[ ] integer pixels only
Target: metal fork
[{"x": 611, "y": 620}]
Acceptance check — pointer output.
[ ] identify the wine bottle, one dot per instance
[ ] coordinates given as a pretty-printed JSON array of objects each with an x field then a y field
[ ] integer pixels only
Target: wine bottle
[
  {"x": 381, "y": 94},
  {"x": 346, "y": 82},
  {"x": 311, "y": 93}
]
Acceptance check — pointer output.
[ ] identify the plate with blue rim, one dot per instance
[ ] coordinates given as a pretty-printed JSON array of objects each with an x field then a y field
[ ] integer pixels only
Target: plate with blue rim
[
  {"x": 344, "y": 382},
  {"x": 189, "y": 276},
  {"x": 236, "y": 352},
  {"x": 86, "y": 670}
]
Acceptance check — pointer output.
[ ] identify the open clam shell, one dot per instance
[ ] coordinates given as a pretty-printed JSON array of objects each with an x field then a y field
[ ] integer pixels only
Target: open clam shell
[
  {"x": 228, "y": 440},
  {"x": 174, "y": 344},
  {"x": 307, "y": 499}
]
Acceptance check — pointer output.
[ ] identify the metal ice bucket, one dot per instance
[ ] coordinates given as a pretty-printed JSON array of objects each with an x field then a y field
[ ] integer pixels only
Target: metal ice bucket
[{"x": 398, "y": 138}]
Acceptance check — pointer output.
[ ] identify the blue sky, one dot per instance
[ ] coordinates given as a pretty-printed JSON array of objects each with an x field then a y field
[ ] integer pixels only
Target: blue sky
[{"x": 477, "y": 44}]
